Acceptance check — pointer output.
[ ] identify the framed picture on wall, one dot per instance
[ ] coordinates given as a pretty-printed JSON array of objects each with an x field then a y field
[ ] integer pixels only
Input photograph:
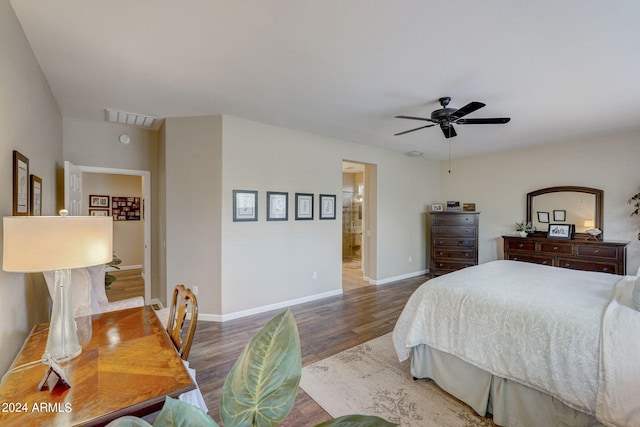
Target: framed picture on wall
[
  {"x": 277, "y": 206},
  {"x": 35, "y": 202},
  {"x": 125, "y": 208},
  {"x": 98, "y": 212},
  {"x": 327, "y": 206},
  {"x": 304, "y": 206},
  {"x": 559, "y": 215},
  {"x": 98, "y": 201},
  {"x": 20, "y": 184},
  {"x": 245, "y": 205}
]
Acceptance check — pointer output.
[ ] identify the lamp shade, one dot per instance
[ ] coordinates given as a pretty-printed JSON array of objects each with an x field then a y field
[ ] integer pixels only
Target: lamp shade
[{"x": 44, "y": 243}]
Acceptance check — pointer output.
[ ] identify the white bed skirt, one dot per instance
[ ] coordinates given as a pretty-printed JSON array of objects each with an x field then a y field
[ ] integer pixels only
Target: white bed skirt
[{"x": 511, "y": 403}]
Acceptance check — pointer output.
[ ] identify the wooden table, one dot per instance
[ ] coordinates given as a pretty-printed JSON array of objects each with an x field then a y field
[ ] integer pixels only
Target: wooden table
[{"x": 128, "y": 367}]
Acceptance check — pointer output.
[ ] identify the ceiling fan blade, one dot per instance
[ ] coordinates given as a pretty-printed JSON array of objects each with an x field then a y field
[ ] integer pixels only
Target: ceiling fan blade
[
  {"x": 449, "y": 131},
  {"x": 494, "y": 121},
  {"x": 469, "y": 108},
  {"x": 415, "y": 118},
  {"x": 412, "y": 130}
]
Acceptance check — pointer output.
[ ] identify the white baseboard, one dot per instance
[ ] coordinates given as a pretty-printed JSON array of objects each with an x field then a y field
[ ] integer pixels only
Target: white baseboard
[
  {"x": 396, "y": 278},
  {"x": 124, "y": 267},
  {"x": 265, "y": 308}
]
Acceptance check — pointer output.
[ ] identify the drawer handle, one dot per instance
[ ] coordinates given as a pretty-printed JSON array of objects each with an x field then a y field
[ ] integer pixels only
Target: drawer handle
[
  {"x": 441, "y": 253},
  {"x": 521, "y": 245},
  {"x": 567, "y": 265},
  {"x": 515, "y": 258},
  {"x": 441, "y": 242},
  {"x": 605, "y": 269},
  {"x": 595, "y": 251},
  {"x": 544, "y": 263}
]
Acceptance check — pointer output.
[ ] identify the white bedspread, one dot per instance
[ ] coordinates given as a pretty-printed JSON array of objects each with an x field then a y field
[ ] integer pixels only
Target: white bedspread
[{"x": 537, "y": 325}]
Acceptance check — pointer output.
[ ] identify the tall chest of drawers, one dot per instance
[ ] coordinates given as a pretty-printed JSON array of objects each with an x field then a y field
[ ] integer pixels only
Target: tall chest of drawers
[
  {"x": 454, "y": 241},
  {"x": 589, "y": 255}
]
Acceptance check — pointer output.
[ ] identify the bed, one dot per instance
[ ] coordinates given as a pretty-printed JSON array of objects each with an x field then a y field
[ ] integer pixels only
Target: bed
[{"x": 532, "y": 345}]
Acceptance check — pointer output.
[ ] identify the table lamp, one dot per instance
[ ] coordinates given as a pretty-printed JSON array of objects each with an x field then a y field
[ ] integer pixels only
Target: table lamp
[{"x": 45, "y": 243}]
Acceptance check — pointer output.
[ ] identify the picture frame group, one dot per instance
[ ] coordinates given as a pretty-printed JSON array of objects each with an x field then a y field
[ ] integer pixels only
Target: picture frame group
[
  {"x": 120, "y": 208},
  {"x": 27, "y": 188},
  {"x": 245, "y": 206}
]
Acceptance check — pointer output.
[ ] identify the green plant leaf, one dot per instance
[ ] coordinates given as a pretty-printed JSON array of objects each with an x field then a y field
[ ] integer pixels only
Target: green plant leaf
[
  {"x": 176, "y": 413},
  {"x": 260, "y": 388},
  {"x": 357, "y": 421},
  {"x": 128, "y": 421}
]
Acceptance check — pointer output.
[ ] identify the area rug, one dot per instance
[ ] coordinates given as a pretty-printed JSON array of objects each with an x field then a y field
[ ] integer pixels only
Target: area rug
[{"x": 368, "y": 379}]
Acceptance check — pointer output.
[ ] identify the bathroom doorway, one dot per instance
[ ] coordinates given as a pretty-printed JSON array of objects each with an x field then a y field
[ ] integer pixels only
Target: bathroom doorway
[{"x": 353, "y": 194}]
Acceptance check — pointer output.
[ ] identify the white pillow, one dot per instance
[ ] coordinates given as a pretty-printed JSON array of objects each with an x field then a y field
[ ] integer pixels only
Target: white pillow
[{"x": 636, "y": 294}]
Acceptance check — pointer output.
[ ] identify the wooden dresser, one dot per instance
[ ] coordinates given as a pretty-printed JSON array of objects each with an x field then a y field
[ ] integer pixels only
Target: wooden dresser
[
  {"x": 454, "y": 241},
  {"x": 590, "y": 255}
]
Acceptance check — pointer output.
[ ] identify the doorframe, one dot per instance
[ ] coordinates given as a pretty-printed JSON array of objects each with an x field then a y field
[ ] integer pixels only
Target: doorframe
[{"x": 146, "y": 196}]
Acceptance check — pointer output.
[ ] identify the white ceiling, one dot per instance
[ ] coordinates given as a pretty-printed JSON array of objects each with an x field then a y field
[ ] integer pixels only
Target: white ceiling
[{"x": 560, "y": 69}]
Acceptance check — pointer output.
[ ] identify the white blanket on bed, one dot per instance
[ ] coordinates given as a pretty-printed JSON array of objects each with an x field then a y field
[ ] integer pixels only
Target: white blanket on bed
[
  {"x": 618, "y": 401},
  {"x": 537, "y": 325}
]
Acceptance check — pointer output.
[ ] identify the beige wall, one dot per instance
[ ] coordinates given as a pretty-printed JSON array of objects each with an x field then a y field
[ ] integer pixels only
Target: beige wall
[
  {"x": 128, "y": 236},
  {"x": 192, "y": 180},
  {"x": 265, "y": 262},
  {"x": 498, "y": 184},
  {"x": 30, "y": 122}
]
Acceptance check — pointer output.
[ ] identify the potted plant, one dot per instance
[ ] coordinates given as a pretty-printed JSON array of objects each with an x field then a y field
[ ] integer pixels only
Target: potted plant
[
  {"x": 635, "y": 202},
  {"x": 525, "y": 228},
  {"x": 110, "y": 278},
  {"x": 259, "y": 390}
]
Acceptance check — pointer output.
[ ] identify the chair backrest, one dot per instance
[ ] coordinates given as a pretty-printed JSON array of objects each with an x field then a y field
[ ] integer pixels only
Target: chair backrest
[{"x": 183, "y": 302}]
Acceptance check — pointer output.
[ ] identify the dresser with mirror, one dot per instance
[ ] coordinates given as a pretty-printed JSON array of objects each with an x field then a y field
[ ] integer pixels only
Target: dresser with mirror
[{"x": 581, "y": 209}]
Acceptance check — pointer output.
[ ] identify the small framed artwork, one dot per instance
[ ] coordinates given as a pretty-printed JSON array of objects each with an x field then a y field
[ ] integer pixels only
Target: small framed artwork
[
  {"x": 98, "y": 212},
  {"x": 560, "y": 215},
  {"x": 437, "y": 207},
  {"x": 245, "y": 205},
  {"x": 543, "y": 217},
  {"x": 453, "y": 206},
  {"x": 20, "y": 184},
  {"x": 98, "y": 201},
  {"x": 277, "y": 206},
  {"x": 560, "y": 231},
  {"x": 327, "y": 206},
  {"x": 304, "y": 206},
  {"x": 35, "y": 201},
  {"x": 468, "y": 207}
]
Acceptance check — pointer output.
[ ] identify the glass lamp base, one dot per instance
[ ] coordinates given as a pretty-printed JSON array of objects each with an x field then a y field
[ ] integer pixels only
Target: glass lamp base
[{"x": 62, "y": 342}]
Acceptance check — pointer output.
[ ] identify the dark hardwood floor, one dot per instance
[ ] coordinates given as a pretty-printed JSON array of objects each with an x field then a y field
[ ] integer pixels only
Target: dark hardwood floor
[{"x": 326, "y": 327}]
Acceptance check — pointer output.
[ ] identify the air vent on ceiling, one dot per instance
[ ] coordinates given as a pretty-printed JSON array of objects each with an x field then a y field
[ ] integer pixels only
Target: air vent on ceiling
[{"x": 147, "y": 122}]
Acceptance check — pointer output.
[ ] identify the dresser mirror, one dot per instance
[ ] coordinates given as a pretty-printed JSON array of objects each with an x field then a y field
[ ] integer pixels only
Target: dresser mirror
[{"x": 580, "y": 206}]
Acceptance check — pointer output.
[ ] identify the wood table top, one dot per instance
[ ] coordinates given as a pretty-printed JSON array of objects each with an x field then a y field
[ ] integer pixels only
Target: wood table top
[{"x": 128, "y": 367}]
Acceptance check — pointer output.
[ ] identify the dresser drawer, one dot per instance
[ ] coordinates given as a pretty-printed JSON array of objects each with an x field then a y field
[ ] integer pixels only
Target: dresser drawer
[
  {"x": 448, "y": 266},
  {"x": 452, "y": 241},
  {"x": 438, "y": 232},
  {"x": 448, "y": 254},
  {"x": 525, "y": 245},
  {"x": 557, "y": 248},
  {"x": 529, "y": 258},
  {"x": 458, "y": 219},
  {"x": 574, "y": 264},
  {"x": 597, "y": 251}
]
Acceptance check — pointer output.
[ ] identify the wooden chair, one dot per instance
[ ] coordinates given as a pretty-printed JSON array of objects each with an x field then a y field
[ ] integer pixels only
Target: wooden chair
[{"x": 184, "y": 302}]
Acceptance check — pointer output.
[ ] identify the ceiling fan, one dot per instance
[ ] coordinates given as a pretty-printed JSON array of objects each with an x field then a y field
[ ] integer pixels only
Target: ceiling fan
[{"x": 447, "y": 117}]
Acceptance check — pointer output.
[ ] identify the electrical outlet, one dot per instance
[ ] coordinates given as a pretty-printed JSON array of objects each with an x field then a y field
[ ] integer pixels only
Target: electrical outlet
[
  {"x": 315, "y": 275},
  {"x": 195, "y": 290},
  {"x": 409, "y": 259}
]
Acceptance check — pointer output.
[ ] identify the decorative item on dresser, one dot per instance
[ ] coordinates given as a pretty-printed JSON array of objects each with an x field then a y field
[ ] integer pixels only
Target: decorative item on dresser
[
  {"x": 576, "y": 254},
  {"x": 454, "y": 241}
]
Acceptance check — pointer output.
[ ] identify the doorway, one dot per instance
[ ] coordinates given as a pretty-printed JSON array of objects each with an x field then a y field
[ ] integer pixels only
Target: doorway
[
  {"x": 353, "y": 220},
  {"x": 77, "y": 201}
]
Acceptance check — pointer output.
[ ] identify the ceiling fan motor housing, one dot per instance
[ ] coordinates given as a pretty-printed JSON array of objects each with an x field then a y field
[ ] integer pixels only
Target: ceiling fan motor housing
[{"x": 442, "y": 114}]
